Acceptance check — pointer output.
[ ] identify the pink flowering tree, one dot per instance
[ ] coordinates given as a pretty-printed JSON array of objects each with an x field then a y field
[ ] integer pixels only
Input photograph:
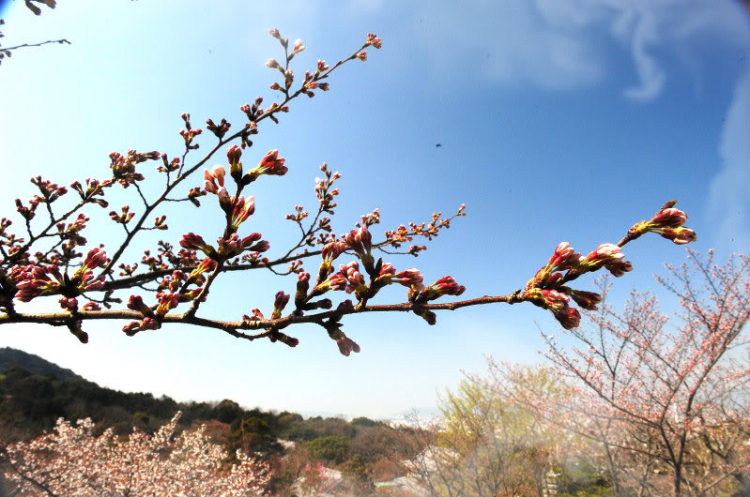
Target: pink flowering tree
[
  {"x": 665, "y": 407},
  {"x": 49, "y": 254},
  {"x": 71, "y": 461}
]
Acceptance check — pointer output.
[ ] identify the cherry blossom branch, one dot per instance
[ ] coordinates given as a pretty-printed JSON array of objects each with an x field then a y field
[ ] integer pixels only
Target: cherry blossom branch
[{"x": 186, "y": 276}]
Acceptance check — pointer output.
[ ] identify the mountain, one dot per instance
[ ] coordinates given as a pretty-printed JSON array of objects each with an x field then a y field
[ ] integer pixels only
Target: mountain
[
  {"x": 34, "y": 364},
  {"x": 34, "y": 393}
]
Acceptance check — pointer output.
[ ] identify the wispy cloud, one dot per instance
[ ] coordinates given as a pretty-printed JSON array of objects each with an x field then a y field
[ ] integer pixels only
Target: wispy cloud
[
  {"x": 729, "y": 197},
  {"x": 559, "y": 45}
]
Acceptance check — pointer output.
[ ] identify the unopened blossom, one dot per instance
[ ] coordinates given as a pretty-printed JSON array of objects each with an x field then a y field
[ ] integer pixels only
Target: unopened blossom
[
  {"x": 191, "y": 241},
  {"x": 606, "y": 255},
  {"x": 243, "y": 208},
  {"x": 336, "y": 281},
  {"x": 274, "y": 33},
  {"x": 231, "y": 246},
  {"x": 360, "y": 241},
  {"x": 557, "y": 302},
  {"x": 147, "y": 323},
  {"x": 91, "y": 306},
  {"x": 679, "y": 236},
  {"x": 261, "y": 246},
  {"x": 373, "y": 40},
  {"x": 250, "y": 239},
  {"x": 32, "y": 281},
  {"x": 299, "y": 45},
  {"x": 214, "y": 179},
  {"x": 271, "y": 164},
  {"x": 362, "y": 56},
  {"x": 96, "y": 258},
  {"x": 167, "y": 302},
  {"x": 135, "y": 302},
  {"x": 347, "y": 346},
  {"x": 355, "y": 279},
  {"x": 303, "y": 285},
  {"x": 448, "y": 286},
  {"x": 410, "y": 277},
  {"x": 272, "y": 63},
  {"x": 563, "y": 258},
  {"x": 444, "y": 286},
  {"x": 386, "y": 272},
  {"x": 234, "y": 153},
  {"x": 68, "y": 303},
  {"x": 279, "y": 303},
  {"x": 235, "y": 166},
  {"x": 426, "y": 314},
  {"x": 318, "y": 304},
  {"x": 669, "y": 223},
  {"x": 585, "y": 299},
  {"x": 219, "y": 130}
]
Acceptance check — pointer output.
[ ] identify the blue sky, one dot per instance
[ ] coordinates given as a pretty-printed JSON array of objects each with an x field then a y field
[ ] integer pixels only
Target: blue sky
[{"x": 559, "y": 121}]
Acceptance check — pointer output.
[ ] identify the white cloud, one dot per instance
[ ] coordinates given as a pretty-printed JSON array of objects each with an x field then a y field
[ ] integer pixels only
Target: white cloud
[
  {"x": 729, "y": 197},
  {"x": 507, "y": 42},
  {"x": 555, "y": 44}
]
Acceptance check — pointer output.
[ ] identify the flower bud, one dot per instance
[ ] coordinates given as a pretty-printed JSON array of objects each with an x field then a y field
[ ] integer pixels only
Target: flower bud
[{"x": 374, "y": 41}]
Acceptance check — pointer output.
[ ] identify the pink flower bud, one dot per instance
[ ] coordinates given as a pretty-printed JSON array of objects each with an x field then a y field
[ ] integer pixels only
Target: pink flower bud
[
  {"x": 95, "y": 258},
  {"x": 347, "y": 346},
  {"x": 242, "y": 210},
  {"x": 373, "y": 40},
  {"x": 218, "y": 172},
  {"x": 669, "y": 218},
  {"x": 233, "y": 154},
  {"x": 604, "y": 252},
  {"x": 274, "y": 33},
  {"x": 587, "y": 300},
  {"x": 280, "y": 302},
  {"x": 679, "y": 235},
  {"x": 210, "y": 186},
  {"x": 272, "y": 164},
  {"x": 272, "y": 63},
  {"x": 191, "y": 241},
  {"x": 223, "y": 194},
  {"x": 410, "y": 277},
  {"x": 448, "y": 286},
  {"x": 69, "y": 303},
  {"x": 298, "y": 45},
  {"x": 91, "y": 306}
]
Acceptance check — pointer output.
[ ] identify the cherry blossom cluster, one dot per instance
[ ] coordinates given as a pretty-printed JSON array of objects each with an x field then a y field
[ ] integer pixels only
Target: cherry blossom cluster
[
  {"x": 73, "y": 461},
  {"x": 548, "y": 289}
]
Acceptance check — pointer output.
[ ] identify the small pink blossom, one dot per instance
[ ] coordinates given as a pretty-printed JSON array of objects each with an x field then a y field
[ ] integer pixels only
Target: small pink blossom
[{"x": 373, "y": 40}]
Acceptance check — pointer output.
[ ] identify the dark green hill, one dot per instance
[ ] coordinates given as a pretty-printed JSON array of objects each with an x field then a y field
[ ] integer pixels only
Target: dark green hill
[
  {"x": 34, "y": 364},
  {"x": 34, "y": 393}
]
